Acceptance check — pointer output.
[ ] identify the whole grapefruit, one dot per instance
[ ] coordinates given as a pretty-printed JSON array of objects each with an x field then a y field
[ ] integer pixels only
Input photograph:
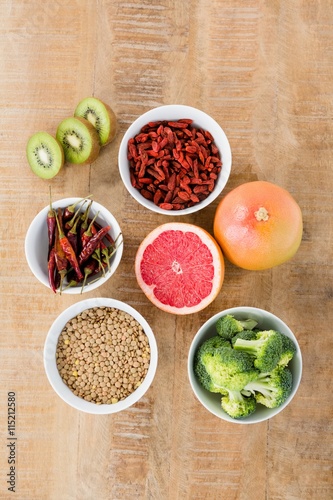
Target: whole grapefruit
[
  {"x": 180, "y": 267},
  {"x": 258, "y": 225}
]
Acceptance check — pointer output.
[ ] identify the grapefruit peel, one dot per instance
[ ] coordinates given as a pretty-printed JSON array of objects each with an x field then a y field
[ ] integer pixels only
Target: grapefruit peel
[{"x": 258, "y": 225}]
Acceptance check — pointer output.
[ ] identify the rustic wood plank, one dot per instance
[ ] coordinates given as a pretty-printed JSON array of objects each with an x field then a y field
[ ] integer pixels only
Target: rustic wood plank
[{"x": 263, "y": 70}]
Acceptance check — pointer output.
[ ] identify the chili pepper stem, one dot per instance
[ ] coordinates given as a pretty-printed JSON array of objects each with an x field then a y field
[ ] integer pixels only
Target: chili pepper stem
[
  {"x": 86, "y": 274},
  {"x": 88, "y": 270},
  {"x": 71, "y": 284},
  {"x": 108, "y": 252},
  {"x": 71, "y": 208},
  {"x": 70, "y": 223},
  {"x": 97, "y": 256},
  {"x": 85, "y": 217}
]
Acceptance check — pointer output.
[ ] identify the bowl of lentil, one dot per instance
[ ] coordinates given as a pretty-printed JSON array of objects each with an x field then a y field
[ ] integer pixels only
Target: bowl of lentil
[
  {"x": 38, "y": 250},
  {"x": 100, "y": 356},
  {"x": 174, "y": 159}
]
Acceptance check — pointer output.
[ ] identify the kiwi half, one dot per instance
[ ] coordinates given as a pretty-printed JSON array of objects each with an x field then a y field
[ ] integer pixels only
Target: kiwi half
[
  {"x": 100, "y": 115},
  {"x": 45, "y": 155},
  {"x": 79, "y": 140}
]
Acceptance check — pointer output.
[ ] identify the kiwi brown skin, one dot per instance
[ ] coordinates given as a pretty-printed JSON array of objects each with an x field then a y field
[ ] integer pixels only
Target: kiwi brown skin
[
  {"x": 91, "y": 140},
  {"x": 105, "y": 120}
]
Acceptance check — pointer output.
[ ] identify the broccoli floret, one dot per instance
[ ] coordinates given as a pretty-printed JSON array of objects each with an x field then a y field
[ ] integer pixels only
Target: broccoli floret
[
  {"x": 228, "y": 326},
  {"x": 213, "y": 343},
  {"x": 245, "y": 335},
  {"x": 271, "y": 389},
  {"x": 199, "y": 368},
  {"x": 228, "y": 368},
  {"x": 204, "y": 378},
  {"x": 288, "y": 351},
  {"x": 238, "y": 406},
  {"x": 266, "y": 349}
]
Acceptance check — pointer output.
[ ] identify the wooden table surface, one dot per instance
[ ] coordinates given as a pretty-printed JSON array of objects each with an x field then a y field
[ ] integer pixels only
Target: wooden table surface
[{"x": 263, "y": 70}]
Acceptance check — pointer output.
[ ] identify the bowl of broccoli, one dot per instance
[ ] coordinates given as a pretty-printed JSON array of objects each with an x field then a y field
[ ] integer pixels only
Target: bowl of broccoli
[{"x": 245, "y": 365}]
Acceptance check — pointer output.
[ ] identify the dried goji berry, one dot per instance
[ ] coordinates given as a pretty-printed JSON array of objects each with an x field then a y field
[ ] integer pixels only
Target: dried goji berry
[
  {"x": 173, "y": 163},
  {"x": 166, "y": 206},
  {"x": 146, "y": 194}
]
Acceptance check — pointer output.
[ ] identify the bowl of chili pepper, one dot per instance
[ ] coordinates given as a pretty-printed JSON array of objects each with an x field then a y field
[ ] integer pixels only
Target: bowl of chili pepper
[
  {"x": 74, "y": 245},
  {"x": 175, "y": 159}
]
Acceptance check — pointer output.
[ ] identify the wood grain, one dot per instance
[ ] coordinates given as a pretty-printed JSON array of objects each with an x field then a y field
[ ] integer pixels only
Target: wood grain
[{"x": 263, "y": 70}]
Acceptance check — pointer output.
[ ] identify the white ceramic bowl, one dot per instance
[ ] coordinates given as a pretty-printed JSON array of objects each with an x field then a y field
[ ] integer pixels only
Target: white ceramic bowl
[
  {"x": 54, "y": 377},
  {"x": 176, "y": 112},
  {"x": 36, "y": 245},
  {"x": 266, "y": 320}
]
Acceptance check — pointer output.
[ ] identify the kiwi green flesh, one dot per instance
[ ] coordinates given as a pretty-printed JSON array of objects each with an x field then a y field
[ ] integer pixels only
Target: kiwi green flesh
[
  {"x": 100, "y": 115},
  {"x": 79, "y": 140},
  {"x": 45, "y": 155}
]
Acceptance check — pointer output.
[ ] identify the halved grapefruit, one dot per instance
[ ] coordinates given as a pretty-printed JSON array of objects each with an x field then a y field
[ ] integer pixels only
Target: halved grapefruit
[{"x": 180, "y": 268}]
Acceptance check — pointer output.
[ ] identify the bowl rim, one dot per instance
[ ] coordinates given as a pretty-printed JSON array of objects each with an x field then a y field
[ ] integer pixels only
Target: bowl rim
[
  {"x": 180, "y": 110},
  {"x": 52, "y": 373},
  {"x": 40, "y": 219},
  {"x": 243, "y": 312}
]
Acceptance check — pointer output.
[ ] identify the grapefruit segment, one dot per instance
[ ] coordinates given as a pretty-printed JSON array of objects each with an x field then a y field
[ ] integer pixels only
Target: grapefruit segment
[{"x": 180, "y": 268}]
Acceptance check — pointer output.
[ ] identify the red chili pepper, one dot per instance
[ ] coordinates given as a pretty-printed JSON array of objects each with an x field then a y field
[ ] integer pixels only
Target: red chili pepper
[
  {"x": 97, "y": 256},
  {"x": 69, "y": 211},
  {"x": 107, "y": 236},
  {"x": 89, "y": 269},
  {"x": 92, "y": 244},
  {"x": 69, "y": 252},
  {"x": 89, "y": 233},
  {"x": 51, "y": 225},
  {"x": 70, "y": 223},
  {"x": 73, "y": 237},
  {"x": 60, "y": 260},
  {"x": 85, "y": 218},
  {"x": 51, "y": 270}
]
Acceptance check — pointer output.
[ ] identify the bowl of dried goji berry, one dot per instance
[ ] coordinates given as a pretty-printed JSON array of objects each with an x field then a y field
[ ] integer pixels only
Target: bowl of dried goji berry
[{"x": 175, "y": 159}]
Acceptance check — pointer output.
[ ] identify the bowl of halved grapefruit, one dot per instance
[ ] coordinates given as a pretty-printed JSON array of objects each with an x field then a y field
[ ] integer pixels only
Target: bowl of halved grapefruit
[
  {"x": 174, "y": 159},
  {"x": 180, "y": 268}
]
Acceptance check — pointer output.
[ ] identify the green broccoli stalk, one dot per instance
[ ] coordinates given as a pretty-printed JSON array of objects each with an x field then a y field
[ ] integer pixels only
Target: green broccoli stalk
[
  {"x": 266, "y": 348},
  {"x": 271, "y": 389},
  {"x": 238, "y": 406},
  {"x": 245, "y": 335},
  {"x": 227, "y": 326}
]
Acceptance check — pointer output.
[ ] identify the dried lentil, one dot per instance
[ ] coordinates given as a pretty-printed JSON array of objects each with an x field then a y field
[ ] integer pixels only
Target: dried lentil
[{"x": 113, "y": 365}]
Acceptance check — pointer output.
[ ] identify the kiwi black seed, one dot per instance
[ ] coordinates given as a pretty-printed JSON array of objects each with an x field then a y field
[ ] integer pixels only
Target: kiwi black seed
[
  {"x": 79, "y": 140},
  {"x": 45, "y": 155},
  {"x": 100, "y": 115}
]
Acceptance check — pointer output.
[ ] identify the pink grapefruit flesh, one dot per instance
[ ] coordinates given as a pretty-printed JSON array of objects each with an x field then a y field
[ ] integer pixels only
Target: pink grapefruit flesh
[{"x": 180, "y": 268}]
